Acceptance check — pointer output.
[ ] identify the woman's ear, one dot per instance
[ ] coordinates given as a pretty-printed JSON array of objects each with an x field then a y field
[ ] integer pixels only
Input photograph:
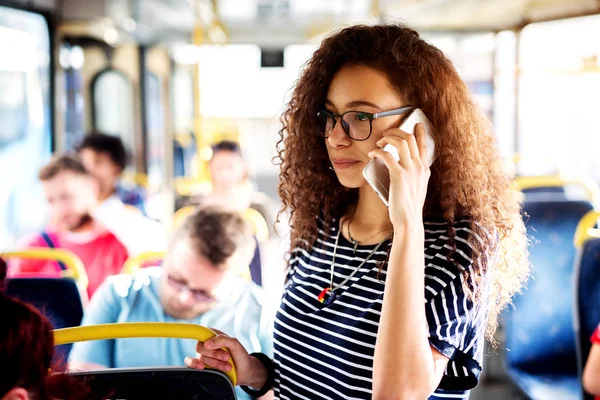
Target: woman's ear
[{"x": 16, "y": 394}]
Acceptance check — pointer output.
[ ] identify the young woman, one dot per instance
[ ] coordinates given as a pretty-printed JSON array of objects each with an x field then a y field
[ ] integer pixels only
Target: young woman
[{"x": 385, "y": 302}]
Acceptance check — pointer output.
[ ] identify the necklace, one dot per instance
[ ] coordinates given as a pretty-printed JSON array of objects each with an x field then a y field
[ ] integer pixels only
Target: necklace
[
  {"x": 328, "y": 295},
  {"x": 356, "y": 242}
]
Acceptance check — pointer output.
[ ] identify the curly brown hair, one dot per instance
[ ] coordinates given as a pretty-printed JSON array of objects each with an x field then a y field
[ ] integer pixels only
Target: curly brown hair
[{"x": 467, "y": 178}]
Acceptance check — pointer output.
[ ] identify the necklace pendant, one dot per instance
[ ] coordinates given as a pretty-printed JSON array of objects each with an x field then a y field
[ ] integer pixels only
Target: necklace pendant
[
  {"x": 355, "y": 246},
  {"x": 327, "y": 296}
]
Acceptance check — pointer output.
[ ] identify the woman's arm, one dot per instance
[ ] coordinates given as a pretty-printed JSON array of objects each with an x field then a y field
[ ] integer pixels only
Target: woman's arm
[
  {"x": 591, "y": 373},
  {"x": 405, "y": 365}
]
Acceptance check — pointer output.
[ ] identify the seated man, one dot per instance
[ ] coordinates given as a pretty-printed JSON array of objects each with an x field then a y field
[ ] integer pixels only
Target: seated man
[
  {"x": 71, "y": 194},
  {"x": 591, "y": 373},
  {"x": 105, "y": 157},
  {"x": 198, "y": 284}
]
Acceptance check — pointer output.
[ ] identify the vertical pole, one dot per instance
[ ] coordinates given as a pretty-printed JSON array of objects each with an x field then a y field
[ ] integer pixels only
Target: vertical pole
[
  {"x": 197, "y": 39},
  {"x": 517, "y": 72}
]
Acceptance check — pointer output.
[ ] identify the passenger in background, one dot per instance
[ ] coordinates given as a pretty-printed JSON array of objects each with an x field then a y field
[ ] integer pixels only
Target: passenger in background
[
  {"x": 231, "y": 186},
  {"x": 591, "y": 373},
  {"x": 26, "y": 351},
  {"x": 106, "y": 158},
  {"x": 71, "y": 193},
  {"x": 197, "y": 284}
]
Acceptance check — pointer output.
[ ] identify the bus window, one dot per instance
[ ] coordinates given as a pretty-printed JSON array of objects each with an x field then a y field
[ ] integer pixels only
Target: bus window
[
  {"x": 25, "y": 132},
  {"x": 113, "y": 107},
  {"x": 561, "y": 59},
  {"x": 183, "y": 121},
  {"x": 155, "y": 144},
  {"x": 156, "y": 131}
]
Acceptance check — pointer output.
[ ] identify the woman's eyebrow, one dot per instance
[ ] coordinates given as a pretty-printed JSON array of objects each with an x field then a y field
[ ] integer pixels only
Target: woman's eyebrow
[
  {"x": 358, "y": 103},
  {"x": 355, "y": 103}
]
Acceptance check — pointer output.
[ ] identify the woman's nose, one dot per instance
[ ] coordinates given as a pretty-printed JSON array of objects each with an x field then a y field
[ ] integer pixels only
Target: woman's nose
[{"x": 337, "y": 137}]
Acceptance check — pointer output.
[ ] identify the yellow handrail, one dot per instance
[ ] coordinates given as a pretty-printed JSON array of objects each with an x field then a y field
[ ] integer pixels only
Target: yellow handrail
[
  {"x": 585, "y": 228},
  {"x": 133, "y": 264},
  {"x": 532, "y": 182},
  {"x": 75, "y": 268},
  {"x": 139, "y": 330},
  {"x": 519, "y": 158},
  {"x": 181, "y": 214},
  {"x": 136, "y": 178},
  {"x": 261, "y": 228}
]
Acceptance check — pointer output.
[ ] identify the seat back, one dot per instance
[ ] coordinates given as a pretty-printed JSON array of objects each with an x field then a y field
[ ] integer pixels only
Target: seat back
[
  {"x": 587, "y": 290},
  {"x": 58, "y": 299},
  {"x": 539, "y": 328},
  {"x": 158, "y": 383},
  {"x": 134, "y": 263}
]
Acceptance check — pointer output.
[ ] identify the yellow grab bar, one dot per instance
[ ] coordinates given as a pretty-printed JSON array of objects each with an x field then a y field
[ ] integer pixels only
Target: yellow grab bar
[
  {"x": 519, "y": 158},
  {"x": 133, "y": 264},
  {"x": 136, "y": 178},
  {"x": 259, "y": 224},
  {"x": 124, "y": 330},
  {"x": 532, "y": 182},
  {"x": 75, "y": 268},
  {"x": 585, "y": 228}
]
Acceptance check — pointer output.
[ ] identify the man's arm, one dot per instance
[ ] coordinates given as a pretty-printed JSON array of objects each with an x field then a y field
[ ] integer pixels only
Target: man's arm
[{"x": 104, "y": 308}]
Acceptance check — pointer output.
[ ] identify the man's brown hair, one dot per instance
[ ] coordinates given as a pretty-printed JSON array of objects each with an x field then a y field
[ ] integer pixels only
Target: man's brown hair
[
  {"x": 217, "y": 234},
  {"x": 59, "y": 164}
]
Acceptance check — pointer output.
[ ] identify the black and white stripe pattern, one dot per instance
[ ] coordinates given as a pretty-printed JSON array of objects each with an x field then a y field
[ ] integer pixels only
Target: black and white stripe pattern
[{"x": 326, "y": 352}]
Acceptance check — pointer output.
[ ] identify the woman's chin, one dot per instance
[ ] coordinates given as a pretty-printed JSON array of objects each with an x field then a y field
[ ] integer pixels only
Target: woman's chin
[{"x": 351, "y": 182}]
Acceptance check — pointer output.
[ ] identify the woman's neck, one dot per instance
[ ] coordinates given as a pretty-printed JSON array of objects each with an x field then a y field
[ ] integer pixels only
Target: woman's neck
[{"x": 369, "y": 221}]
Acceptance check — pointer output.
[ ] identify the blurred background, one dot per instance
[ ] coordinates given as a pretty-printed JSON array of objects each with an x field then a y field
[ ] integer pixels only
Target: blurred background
[{"x": 173, "y": 77}]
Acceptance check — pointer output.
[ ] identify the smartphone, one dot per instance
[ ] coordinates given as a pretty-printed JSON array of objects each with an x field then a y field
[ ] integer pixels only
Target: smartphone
[{"x": 376, "y": 173}]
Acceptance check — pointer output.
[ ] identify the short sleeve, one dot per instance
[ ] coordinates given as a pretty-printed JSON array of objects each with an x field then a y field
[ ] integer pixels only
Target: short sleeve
[
  {"x": 596, "y": 336},
  {"x": 450, "y": 318},
  {"x": 104, "y": 308},
  {"x": 456, "y": 325}
]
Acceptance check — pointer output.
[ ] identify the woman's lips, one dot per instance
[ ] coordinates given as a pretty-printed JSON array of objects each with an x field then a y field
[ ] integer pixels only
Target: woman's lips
[{"x": 343, "y": 163}]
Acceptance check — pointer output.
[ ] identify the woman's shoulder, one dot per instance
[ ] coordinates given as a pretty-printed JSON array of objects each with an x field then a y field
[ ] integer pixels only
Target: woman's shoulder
[{"x": 462, "y": 229}]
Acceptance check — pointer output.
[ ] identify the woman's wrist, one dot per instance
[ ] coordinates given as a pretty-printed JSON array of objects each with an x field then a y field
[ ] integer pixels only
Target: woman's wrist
[
  {"x": 264, "y": 378},
  {"x": 259, "y": 375}
]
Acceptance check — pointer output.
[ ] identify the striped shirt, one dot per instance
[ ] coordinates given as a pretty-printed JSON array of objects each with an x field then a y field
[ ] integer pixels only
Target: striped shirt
[{"x": 326, "y": 351}]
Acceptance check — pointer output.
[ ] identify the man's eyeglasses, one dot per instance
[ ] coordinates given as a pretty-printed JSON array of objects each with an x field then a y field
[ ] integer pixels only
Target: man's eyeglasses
[
  {"x": 199, "y": 295},
  {"x": 358, "y": 125}
]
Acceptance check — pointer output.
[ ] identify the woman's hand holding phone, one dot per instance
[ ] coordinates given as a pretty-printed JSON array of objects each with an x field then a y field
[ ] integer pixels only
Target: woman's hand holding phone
[{"x": 408, "y": 176}]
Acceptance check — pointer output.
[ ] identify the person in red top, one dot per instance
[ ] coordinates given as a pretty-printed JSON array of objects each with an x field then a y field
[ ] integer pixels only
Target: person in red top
[
  {"x": 71, "y": 193},
  {"x": 591, "y": 372}
]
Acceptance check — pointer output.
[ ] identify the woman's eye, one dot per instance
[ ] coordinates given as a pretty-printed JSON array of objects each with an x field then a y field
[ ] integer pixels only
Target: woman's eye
[{"x": 362, "y": 117}]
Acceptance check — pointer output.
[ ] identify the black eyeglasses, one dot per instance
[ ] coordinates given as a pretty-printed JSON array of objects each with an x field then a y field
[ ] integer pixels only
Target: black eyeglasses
[
  {"x": 358, "y": 125},
  {"x": 199, "y": 295}
]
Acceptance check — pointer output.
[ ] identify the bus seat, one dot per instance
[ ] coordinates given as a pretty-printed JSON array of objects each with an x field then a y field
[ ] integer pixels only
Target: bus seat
[
  {"x": 158, "y": 383},
  {"x": 541, "y": 356},
  {"x": 58, "y": 299},
  {"x": 587, "y": 289},
  {"x": 134, "y": 263},
  {"x": 65, "y": 258},
  {"x": 154, "y": 382},
  {"x": 536, "y": 187}
]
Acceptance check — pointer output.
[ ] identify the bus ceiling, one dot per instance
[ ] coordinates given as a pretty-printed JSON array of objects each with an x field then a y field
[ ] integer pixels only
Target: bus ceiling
[{"x": 277, "y": 23}]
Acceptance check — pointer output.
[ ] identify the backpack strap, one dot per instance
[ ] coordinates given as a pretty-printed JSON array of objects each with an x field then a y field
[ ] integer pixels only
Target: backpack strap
[{"x": 50, "y": 244}]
